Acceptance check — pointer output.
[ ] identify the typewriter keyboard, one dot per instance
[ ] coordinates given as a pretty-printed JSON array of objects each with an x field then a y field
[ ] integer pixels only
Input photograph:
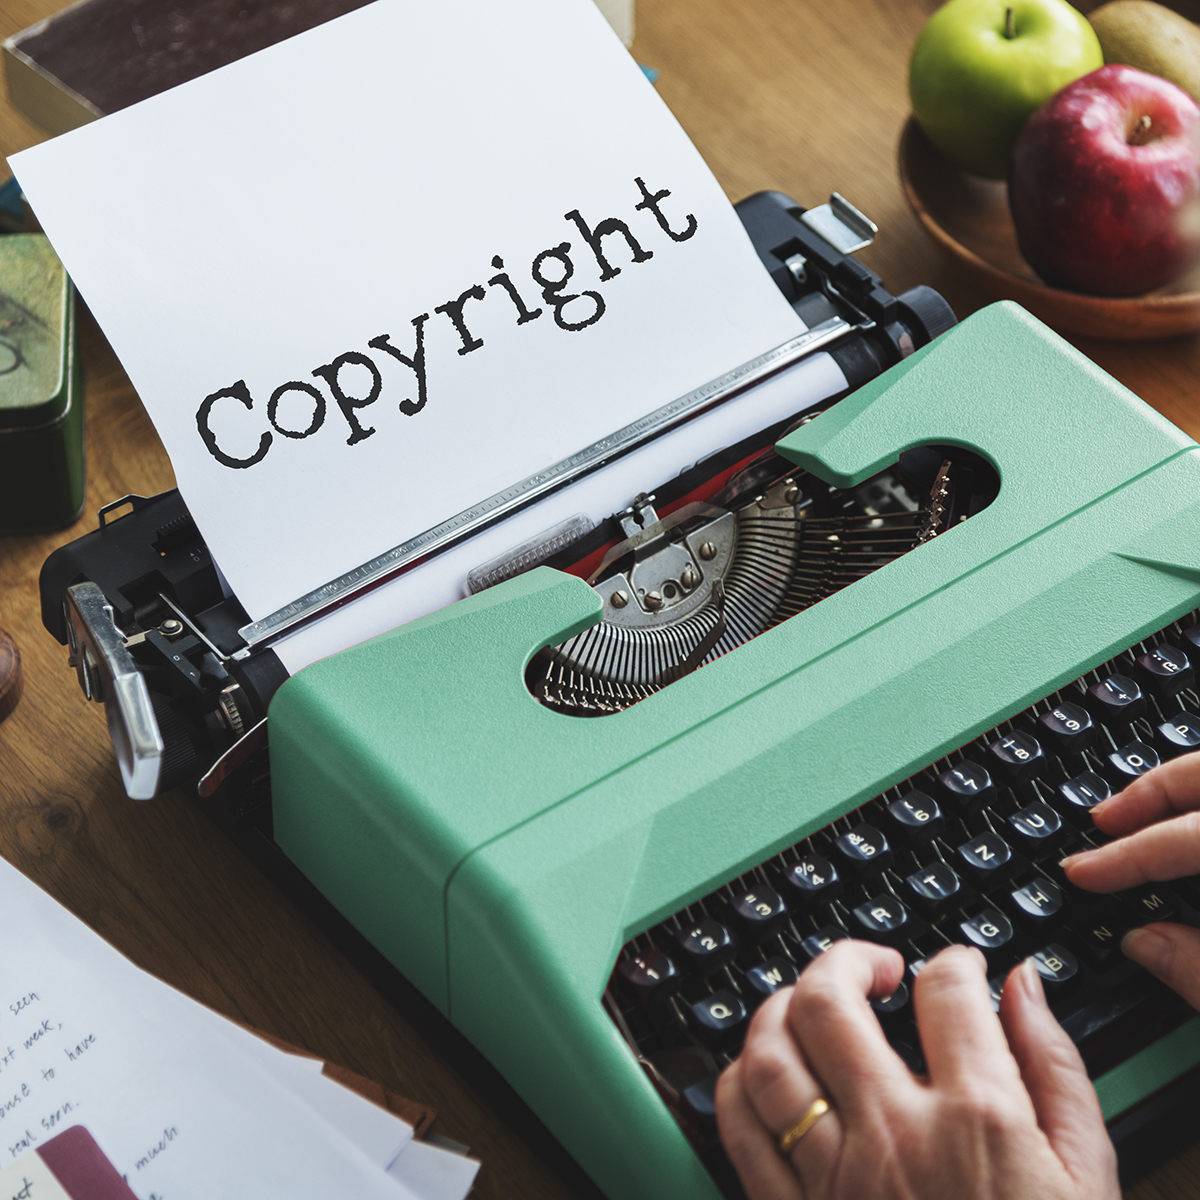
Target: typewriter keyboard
[{"x": 966, "y": 851}]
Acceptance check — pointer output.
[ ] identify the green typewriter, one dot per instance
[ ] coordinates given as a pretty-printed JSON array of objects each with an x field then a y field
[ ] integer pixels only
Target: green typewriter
[{"x": 864, "y": 679}]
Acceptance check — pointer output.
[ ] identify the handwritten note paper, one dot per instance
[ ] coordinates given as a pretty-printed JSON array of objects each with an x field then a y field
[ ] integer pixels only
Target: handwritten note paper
[
  {"x": 379, "y": 272},
  {"x": 164, "y": 1086}
]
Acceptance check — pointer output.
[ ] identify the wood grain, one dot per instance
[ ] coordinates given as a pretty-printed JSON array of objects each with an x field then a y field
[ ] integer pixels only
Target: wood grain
[
  {"x": 790, "y": 94},
  {"x": 10, "y": 675}
]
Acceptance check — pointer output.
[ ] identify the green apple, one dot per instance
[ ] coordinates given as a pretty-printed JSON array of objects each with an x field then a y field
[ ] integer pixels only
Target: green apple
[{"x": 981, "y": 67}]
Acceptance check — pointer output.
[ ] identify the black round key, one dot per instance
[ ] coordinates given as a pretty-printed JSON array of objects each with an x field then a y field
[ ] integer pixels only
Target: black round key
[
  {"x": 1037, "y": 903},
  {"x": 1016, "y": 757},
  {"x": 758, "y": 911},
  {"x": 1084, "y": 791},
  {"x": 1179, "y": 735},
  {"x": 915, "y": 818},
  {"x": 863, "y": 850},
  {"x": 967, "y": 783},
  {"x": 1069, "y": 727},
  {"x": 1098, "y": 925},
  {"x": 1191, "y": 637},
  {"x": 1057, "y": 966},
  {"x": 766, "y": 978},
  {"x": 812, "y": 880},
  {"x": 882, "y": 919},
  {"x": 1164, "y": 671},
  {"x": 1150, "y": 902},
  {"x": 707, "y": 945},
  {"x": 1035, "y": 828},
  {"x": 1133, "y": 759},
  {"x": 815, "y": 944},
  {"x": 700, "y": 1102},
  {"x": 987, "y": 857},
  {"x": 719, "y": 1020},
  {"x": 934, "y": 888},
  {"x": 648, "y": 976},
  {"x": 989, "y": 930},
  {"x": 896, "y": 1002},
  {"x": 1116, "y": 699}
]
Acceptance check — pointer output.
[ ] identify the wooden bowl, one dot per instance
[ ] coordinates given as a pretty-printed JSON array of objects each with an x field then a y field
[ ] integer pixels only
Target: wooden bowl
[{"x": 969, "y": 218}]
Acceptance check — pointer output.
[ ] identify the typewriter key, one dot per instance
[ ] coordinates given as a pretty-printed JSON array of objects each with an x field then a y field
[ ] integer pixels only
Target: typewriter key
[
  {"x": 1179, "y": 735},
  {"x": 1098, "y": 926},
  {"x": 1016, "y": 757},
  {"x": 1125, "y": 765},
  {"x": 987, "y": 858},
  {"x": 1057, "y": 966},
  {"x": 889, "y": 1006},
  {"x": 1150, "y": 902},
  {"x": 863, "y": 851},
  {"x": 700, "y": 1103},
  {"x": 768, "y": 977},
  {"x": 757, "y": 912},
  {"x": 707, "y": 945},
  {"x": 967, "y": 784},
  {"x": 718, "y": 1020},
  {"x": 1037, "y": 903},
  {"x": 915, "y": 818},
  {"x": 1116, "y": 699},
  {"x": 989, "y": 930},
  {"x": 1164, "y": 671},
  {"x": 1036, "y": 829},
  {"x": 1069, "y": 728},
  {"x": 812, "y": 880},
  {"x": 1084, "y": 791},
  {"x": 882, "y": 919},
  {"x": 934, "y": 889},
  {"x": 648, "y": 977},
  {"x": 815, "y": 944}
]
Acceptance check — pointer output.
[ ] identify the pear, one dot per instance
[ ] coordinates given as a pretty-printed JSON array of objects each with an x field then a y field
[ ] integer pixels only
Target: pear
[{"x": 1151, "y": 38}]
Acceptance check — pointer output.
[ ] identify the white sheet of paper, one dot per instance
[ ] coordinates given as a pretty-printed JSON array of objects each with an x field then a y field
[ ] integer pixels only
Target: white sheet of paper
[
  {"x": 432, "y": 1173},
  {"x": 249, "y": 229},
  {"x": 165, "y": 1090},
  {"x": 379, "y": 1134}
]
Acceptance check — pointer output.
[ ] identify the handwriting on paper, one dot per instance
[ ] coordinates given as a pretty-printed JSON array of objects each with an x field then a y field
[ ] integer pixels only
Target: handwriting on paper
[{"x": 552, "y": 270}]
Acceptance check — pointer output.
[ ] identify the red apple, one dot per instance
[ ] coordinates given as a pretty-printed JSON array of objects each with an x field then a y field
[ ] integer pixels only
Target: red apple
[{"x": 1105, "y": 184}]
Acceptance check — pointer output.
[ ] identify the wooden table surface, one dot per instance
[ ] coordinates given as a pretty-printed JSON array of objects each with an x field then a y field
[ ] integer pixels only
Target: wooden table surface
[{"x": 794, "y": 95}]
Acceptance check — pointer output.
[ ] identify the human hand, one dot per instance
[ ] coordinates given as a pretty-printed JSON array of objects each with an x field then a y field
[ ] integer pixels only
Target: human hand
[
  {"x": 1157, "y": 821},
  {"x": 1005, "y": 1113}
]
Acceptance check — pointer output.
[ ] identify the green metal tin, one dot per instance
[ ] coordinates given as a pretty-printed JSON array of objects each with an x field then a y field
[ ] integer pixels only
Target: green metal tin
[
  {"x": 500, "y": 853},
  {"x": 41, "y": 390}
]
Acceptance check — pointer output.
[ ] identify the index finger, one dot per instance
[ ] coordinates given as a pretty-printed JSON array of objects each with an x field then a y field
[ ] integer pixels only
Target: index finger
[
  {"x": 960, "y": 1033},
  {"x": 839, "y": 1034},
  {"x": 1173, "y": 787},
  {"x": 1168, "y": 850}
]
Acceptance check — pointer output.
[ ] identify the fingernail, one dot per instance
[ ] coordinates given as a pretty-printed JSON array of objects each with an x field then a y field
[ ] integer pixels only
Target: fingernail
[
  {"x": 1144, "y": 946},
  {"x": 1099, "y": 808},
  {"x": 1031, "y": 981}
]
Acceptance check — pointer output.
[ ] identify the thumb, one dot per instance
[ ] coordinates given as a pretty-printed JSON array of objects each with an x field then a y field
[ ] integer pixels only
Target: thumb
[
  {"x": 1054, "y": 1075},
  {"x": 1172, "y": 952}
]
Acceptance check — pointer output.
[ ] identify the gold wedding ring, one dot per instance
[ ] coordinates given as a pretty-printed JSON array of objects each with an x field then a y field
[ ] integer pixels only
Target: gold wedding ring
[{"x": 816, "y": 1110}]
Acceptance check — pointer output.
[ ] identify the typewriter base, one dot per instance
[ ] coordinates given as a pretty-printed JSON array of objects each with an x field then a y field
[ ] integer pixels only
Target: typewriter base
[{"x": 1145, "y": 1137}]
